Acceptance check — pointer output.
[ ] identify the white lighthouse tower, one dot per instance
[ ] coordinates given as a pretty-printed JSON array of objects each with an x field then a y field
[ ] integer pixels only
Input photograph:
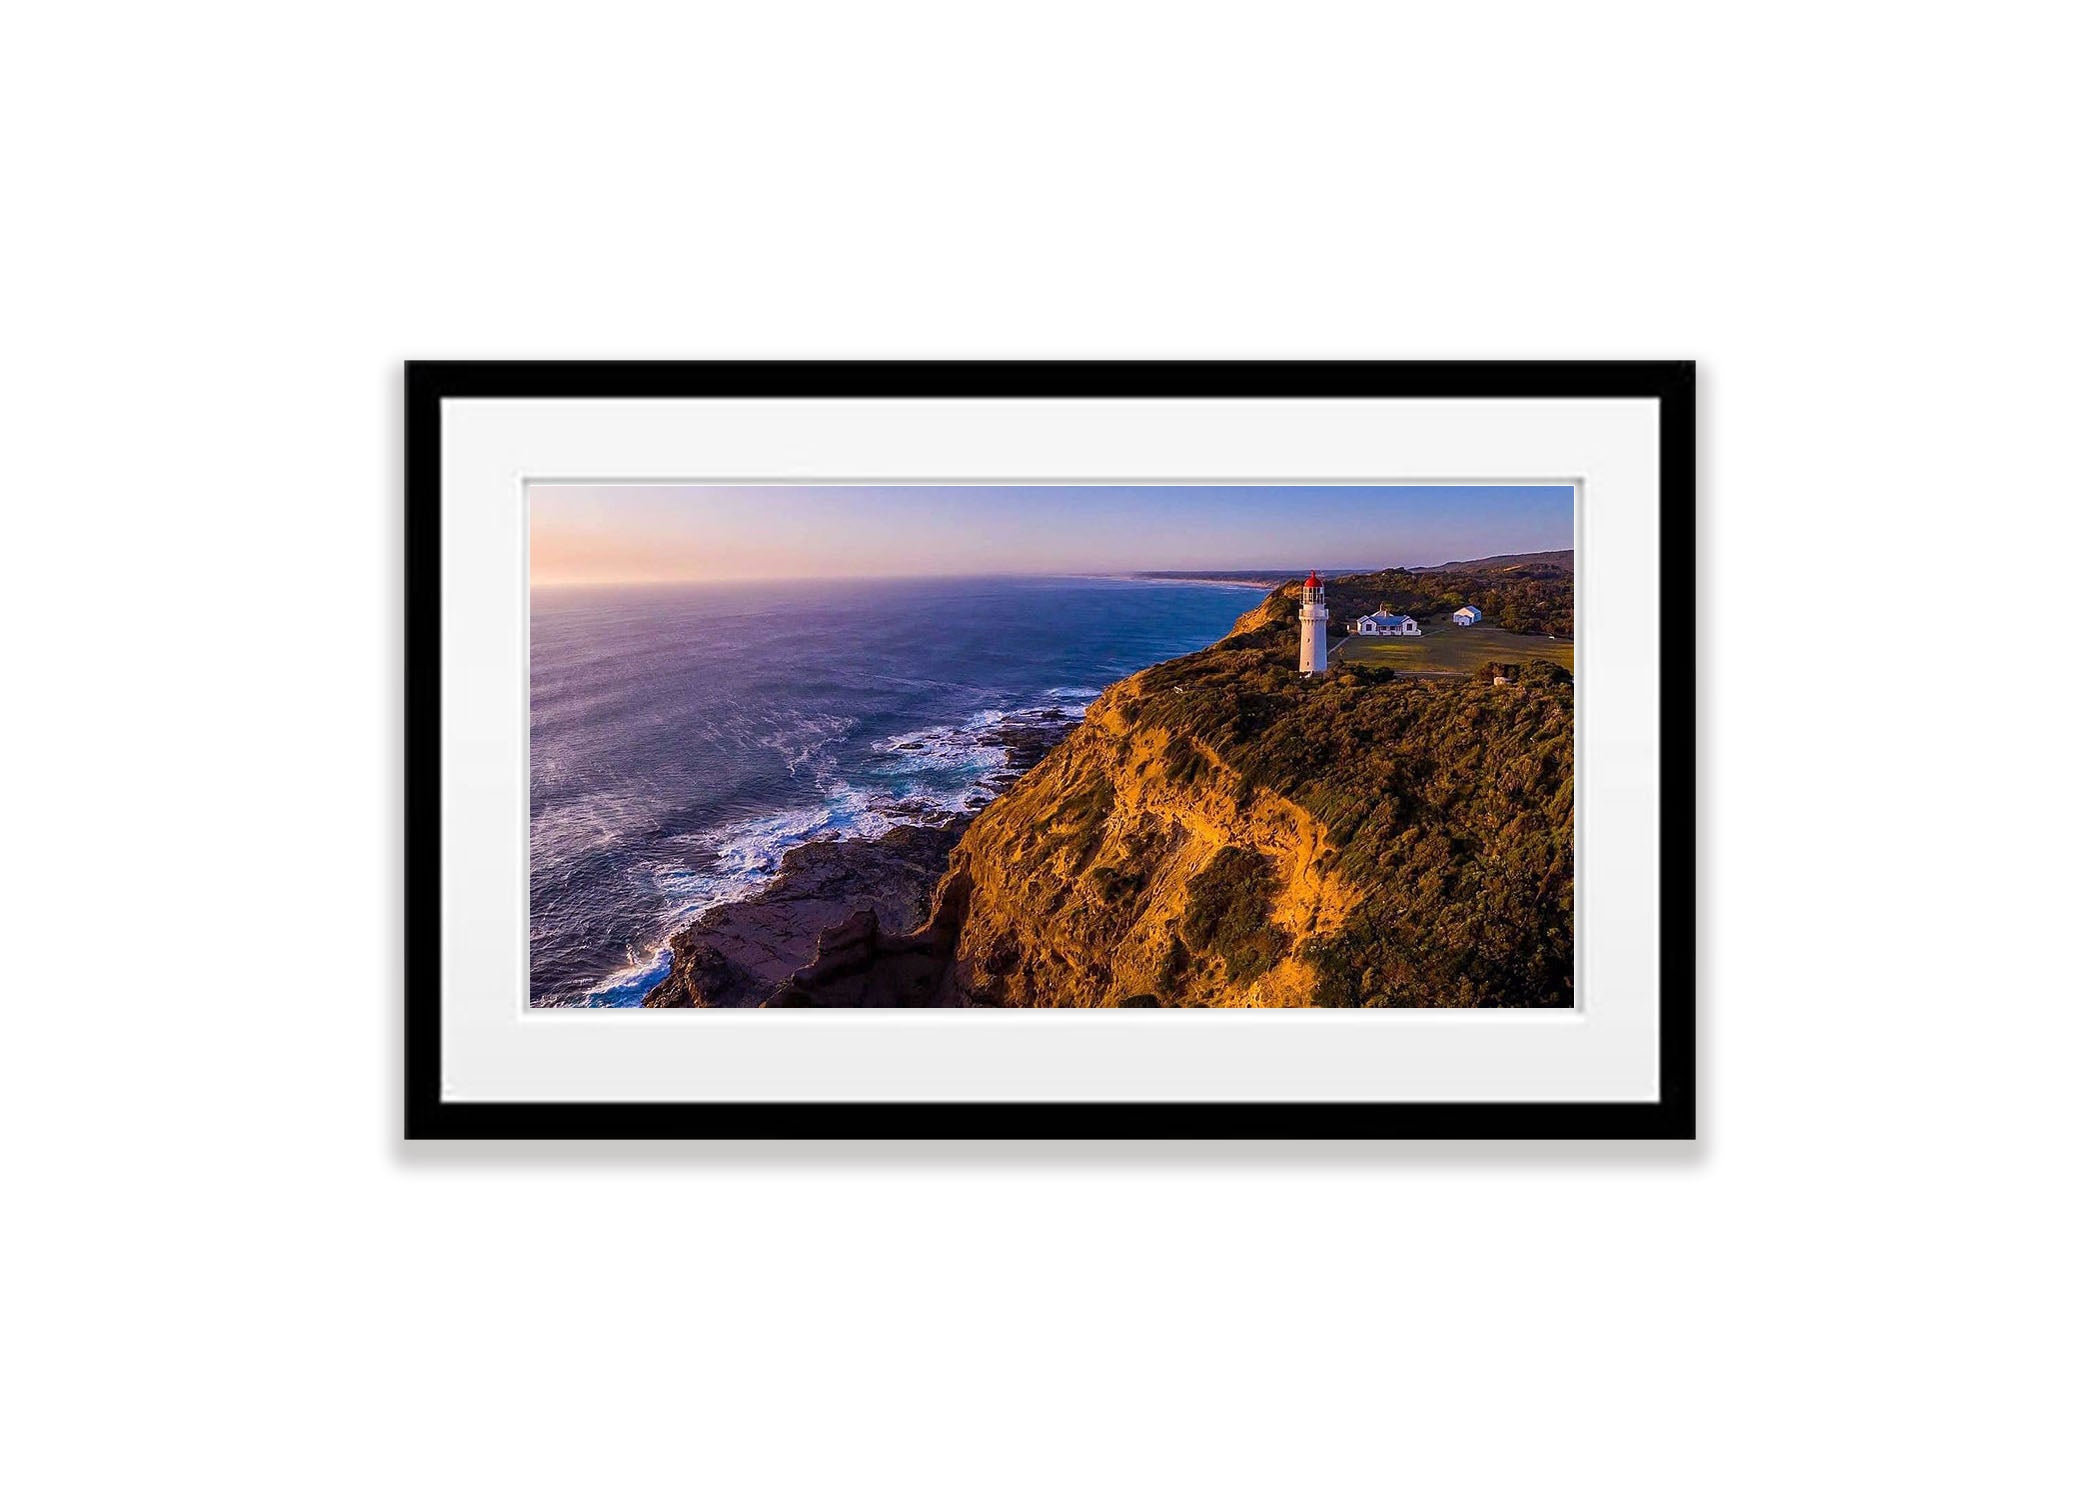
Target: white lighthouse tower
[{"x": 1312, "y": 628}]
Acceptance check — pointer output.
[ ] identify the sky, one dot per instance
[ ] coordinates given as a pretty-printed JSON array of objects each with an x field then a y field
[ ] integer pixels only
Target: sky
[{"x": 661, "y": 533}]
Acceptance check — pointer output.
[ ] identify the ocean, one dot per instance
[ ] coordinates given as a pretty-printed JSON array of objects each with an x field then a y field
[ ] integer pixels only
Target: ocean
[{"x": 685, "y": 737}]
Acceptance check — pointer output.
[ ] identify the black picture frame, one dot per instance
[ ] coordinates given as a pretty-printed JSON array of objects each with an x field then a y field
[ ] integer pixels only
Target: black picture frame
[{"x": 429, "y": 384}]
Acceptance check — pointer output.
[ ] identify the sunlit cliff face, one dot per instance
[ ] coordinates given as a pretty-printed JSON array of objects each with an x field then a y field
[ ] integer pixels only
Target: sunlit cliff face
[{"x": 1082, "y": 880}]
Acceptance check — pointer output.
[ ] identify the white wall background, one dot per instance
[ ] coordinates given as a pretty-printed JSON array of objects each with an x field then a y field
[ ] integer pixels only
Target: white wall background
[{"x": 225, "y": 225}]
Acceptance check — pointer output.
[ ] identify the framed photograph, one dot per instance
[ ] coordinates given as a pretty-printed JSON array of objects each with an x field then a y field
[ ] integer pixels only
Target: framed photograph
[{"x": 1049, "y": 750}]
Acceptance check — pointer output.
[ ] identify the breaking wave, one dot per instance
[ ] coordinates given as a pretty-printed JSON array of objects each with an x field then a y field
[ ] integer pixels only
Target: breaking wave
[{"x": 916, "y": 778}]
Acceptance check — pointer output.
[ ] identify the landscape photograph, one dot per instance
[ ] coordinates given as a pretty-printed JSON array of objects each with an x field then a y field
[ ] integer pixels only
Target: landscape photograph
[{"x": 1021, "y": 746}]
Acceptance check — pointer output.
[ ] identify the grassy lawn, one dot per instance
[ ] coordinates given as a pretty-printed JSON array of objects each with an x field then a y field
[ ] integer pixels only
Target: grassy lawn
[{"x": 1444, "y": 647}]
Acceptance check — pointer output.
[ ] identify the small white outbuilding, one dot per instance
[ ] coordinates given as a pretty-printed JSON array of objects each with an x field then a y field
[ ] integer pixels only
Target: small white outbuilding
[
  {"x": 1385, "y": 624},
  {"x": 1467, "y": 616}
]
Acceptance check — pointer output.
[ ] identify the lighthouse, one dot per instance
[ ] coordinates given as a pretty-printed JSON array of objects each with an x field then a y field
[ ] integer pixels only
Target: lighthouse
[{"x": 1312, "y": 628}]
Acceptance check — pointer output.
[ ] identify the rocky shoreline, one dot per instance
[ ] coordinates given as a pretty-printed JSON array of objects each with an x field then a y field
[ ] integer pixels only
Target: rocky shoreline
[{"x": 838, "y": 904}]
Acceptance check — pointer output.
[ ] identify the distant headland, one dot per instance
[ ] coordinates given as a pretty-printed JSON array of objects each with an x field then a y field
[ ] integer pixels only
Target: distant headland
[{"x": 1246, "y": 578}]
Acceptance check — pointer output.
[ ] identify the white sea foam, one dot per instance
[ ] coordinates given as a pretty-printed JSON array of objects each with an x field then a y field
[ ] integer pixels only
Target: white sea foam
[
  {"x": 957, "y": 767},
  {"x": 940, "y": 770},
  {"x": 739, "y": 860}
]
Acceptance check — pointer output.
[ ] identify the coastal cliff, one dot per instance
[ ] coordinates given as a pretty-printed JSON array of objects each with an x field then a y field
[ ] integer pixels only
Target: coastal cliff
[
  {"x": 1220, "y": 831},
  {"x": 1125, "y": 871},
  {"x": 1223, "y": 831}
]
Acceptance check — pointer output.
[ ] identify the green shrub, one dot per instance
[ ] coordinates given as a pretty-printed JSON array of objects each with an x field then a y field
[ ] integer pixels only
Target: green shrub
[{"x": 1228, "y": 914}]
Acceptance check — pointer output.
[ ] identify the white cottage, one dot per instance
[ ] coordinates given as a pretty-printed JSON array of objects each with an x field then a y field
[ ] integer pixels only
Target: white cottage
[
  {"x": 1467, "y": 616},
  {"x": 1385, "y": 624}
]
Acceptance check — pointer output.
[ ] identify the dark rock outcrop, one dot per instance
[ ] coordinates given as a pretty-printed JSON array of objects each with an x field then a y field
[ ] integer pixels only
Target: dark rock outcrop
[
  {"x": 846, "y": 922},
  {"x": 741, "y": 953},
  {"x": 860, "y": 965}
]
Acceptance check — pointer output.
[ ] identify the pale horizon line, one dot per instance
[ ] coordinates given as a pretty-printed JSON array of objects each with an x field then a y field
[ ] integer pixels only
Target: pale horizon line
[
  {"x": 1282, "y": 568},
  {"x": 1106, "y": 573}
]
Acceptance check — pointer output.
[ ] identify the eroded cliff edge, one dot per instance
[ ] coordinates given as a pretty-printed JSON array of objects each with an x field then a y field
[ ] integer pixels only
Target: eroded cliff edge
[{"x": 1098, "y": 879}]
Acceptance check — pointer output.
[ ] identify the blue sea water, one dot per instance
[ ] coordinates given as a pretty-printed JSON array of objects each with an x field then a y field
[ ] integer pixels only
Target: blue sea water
[{"x": 685, "y": 737}]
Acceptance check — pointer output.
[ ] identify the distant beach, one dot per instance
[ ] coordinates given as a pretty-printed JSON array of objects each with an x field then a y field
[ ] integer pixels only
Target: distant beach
[{"x": 1227, "y": 581}]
